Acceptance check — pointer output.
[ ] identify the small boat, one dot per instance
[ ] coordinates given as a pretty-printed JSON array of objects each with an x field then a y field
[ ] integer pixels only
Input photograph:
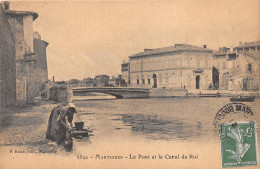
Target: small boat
[
  {"x": 242, "y": 99},
  {"x": 210, "y": 95}
]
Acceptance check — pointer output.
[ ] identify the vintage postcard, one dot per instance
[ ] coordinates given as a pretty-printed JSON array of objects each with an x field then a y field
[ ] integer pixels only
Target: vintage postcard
[{"x": 129, "y": 84}]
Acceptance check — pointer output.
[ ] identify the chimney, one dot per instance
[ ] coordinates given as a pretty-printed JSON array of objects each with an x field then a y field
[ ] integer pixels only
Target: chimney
[
  {"x": 36, "y": 35},
  {"x": 204, "y": 46},
  {"x": 226, "y": 50},
  {"x": 147, "y": 49},
  {"x": 6, "y": 5}
]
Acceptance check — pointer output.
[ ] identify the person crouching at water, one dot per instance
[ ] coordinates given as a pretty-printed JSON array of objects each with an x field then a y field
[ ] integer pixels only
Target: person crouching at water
[{"x": 60, "y": 125}]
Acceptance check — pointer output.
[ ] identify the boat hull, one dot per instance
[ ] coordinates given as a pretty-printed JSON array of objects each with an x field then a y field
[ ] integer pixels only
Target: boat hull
[{"x": 243, "y": 99}]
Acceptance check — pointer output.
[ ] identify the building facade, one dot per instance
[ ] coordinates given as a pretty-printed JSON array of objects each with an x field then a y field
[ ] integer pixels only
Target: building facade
[
  {"x": 125, "y": 71},
  {"x": 220, "y": 69},
  {"x": 182, "y": 66},
  {"x": 73, "y": 82},
  {"x": 87, "y": 82},
  {"x": 247, "y": 46},
  {"x": 41, "y": 68},
  {"x": 21, "y": 23},
  {"x": 7, "y": 63},
  {"x": 238, "y": 70},
  {"x": 101, "y": 80}
]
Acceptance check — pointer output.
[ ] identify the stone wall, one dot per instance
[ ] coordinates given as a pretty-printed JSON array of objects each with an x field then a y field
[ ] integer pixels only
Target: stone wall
[
  {"x": 41, "y": 69},
  {"x": 58, "y": 94},
  {"x": 7, "y": 63},
  {"x": 24, "y": 61}
]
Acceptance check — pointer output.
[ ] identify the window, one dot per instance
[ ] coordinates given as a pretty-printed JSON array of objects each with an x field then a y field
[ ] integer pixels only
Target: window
[
  {"x": 137, "y": 81},
  {"x": 143, "y": 81},
  {"x": 249, "y": 68},
  {"x": 149, "y": 81}
]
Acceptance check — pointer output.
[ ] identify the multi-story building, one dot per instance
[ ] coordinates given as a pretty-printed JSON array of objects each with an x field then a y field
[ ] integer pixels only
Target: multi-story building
[
  {"x": 244, "y": 66},
  {"x": 220, "y": 69},
  {"x": 248, "y": 46},
  {"x": 101, "y": 80},
  {"x": 112, "y": 81},
  {"x": 73, "y": 82},
  {"x": 181, "y": 66},
  {"x": 117, "y": 81},
  {"x": 125, "y": 71},
  {"x": 238, "y": 70},
  {"x": 41, "y": 69},
  {"x": 87, "y": 82},
  {"x": 7, "y": 63},
  {"x": 21, "y": 23}
]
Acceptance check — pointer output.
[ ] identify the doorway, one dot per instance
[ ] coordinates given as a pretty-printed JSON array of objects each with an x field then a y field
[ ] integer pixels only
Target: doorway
[
  {"x": 215, "y": 78},
  {"x": 154, "y": 81},
  {"x": 197, "y": 82}
]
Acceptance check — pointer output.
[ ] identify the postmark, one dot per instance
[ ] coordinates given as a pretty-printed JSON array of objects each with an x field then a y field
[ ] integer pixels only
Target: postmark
[
  {"x": 238, "y": 144},
  {"x": 230, "y": 113}
]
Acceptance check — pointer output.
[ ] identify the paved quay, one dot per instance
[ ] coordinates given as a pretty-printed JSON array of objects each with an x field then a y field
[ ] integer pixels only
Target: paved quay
[{"x": 26, "y": 126}]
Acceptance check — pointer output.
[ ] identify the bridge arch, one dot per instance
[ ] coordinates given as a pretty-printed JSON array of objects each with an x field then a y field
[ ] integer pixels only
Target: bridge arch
[{"x": 118, "y": 92}]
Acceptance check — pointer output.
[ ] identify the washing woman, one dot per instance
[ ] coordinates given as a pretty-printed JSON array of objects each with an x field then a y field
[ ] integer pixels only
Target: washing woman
[{"x": 60, "y": 124}]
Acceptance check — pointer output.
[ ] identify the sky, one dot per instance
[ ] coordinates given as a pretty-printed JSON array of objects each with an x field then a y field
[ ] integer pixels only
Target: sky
[{"x": 88, "y": 38}]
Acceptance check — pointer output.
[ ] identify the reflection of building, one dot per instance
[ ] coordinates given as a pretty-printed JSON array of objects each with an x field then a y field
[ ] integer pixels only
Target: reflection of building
[
  {"x": 41, "y": 69},
  {"x": 181, "y": 66},
  {"x": 125, "y": 71},
  {"x": 21, "y": 23},
  {"x": 101, "y": 80},
  {"x": 7, "y": 63}
]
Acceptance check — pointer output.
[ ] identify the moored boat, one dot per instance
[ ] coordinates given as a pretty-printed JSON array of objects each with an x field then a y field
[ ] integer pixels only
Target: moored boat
[{"x": 242, "y": 99}]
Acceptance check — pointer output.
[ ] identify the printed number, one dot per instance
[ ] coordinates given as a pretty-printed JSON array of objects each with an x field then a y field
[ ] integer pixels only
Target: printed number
[{"x": 248, "y": 132}]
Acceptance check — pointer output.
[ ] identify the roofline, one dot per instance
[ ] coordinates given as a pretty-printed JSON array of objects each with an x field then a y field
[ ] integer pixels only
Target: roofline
[
  {"x": 250, "y": 55},
  {"x": 167, "y": 52},
  {"x": 21, "y": 13},
  {"x": 249, "y": 44},
  {"x": 47, "y": 43}
]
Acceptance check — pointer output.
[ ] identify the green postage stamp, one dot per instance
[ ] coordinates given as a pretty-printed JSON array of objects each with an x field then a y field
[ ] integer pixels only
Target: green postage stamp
[{"x": 238, "y": 144}]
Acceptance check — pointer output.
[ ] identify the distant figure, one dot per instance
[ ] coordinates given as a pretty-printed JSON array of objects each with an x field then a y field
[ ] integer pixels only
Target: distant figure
[
  {"x": 210, "y": 86},
  {"x": 60, "y": 125}
]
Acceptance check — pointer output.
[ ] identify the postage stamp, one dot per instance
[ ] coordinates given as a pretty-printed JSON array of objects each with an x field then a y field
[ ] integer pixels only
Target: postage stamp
[{"x": 238, "y": 144}]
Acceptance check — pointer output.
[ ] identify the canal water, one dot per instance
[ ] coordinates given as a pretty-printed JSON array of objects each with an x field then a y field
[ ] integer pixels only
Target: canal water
[{"x": 168, "y": 125}]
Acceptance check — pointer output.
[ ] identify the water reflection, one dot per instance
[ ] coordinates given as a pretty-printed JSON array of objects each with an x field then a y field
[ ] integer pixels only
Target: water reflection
[
  {"x": 158, "y": 128},
  {"x": 141, "y": 120}
]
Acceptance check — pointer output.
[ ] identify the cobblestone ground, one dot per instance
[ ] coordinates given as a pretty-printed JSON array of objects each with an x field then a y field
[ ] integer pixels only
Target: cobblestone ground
[{"x": 26, "y": 126}]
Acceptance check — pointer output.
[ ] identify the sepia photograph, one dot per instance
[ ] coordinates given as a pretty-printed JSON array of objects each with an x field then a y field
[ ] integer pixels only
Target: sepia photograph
[{"x": 128, "y": 84}]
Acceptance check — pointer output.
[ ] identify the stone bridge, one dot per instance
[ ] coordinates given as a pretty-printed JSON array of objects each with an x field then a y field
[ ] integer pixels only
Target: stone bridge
[{"x": 118, "y": 92}]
